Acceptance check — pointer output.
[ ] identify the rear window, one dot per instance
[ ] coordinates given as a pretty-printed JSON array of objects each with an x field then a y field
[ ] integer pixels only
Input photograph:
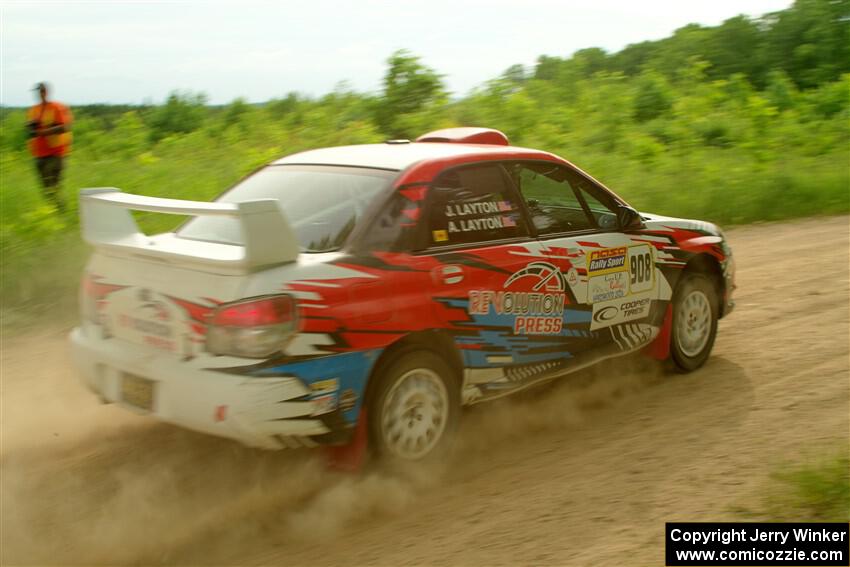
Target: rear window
[{"x": 323, "y": 204}]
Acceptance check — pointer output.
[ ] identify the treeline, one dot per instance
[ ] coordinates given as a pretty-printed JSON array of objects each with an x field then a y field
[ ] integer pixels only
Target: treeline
[
  {"x": 808, "y": 43},
  {"x": 802, "y": 48}
]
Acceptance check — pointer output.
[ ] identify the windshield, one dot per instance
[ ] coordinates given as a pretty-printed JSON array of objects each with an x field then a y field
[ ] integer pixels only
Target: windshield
[{"x": 322, "y": 203}]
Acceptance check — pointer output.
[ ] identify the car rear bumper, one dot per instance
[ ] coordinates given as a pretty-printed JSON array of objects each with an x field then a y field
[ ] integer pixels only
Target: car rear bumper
[{"x": 266, "y": 412}]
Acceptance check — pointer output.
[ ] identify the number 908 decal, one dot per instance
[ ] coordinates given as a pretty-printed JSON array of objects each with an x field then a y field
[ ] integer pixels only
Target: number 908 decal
[{"x": 641, "y": 268}]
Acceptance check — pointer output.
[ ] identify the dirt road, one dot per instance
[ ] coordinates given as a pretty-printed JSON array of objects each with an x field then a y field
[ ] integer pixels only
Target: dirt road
[{"x": 585, "y": 474}]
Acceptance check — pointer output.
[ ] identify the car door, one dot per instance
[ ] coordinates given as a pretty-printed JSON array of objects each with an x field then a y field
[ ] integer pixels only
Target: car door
[
  {"x": 475, "y": 227},
  {"x": 611, "y": 272},
  {"x": 491, "y": 284}
]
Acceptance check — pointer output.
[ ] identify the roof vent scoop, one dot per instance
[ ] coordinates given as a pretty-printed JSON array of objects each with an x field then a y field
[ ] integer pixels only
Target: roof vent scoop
[{"x": 466, "y": 136}]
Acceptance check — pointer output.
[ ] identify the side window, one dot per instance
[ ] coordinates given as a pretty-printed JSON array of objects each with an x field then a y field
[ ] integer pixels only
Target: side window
[
  {"x": 473, "y": 204},
  {"x": 603, "y": 214},
  {"x": 560, "y": 200}
]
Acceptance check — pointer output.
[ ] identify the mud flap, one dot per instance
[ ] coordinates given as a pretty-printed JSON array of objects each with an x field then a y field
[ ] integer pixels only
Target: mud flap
[
  {"x": 659, "y": 349},
  {"x": 352, "y": 456}
]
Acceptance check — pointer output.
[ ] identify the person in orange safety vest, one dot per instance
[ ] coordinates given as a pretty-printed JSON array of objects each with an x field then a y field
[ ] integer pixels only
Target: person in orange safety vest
[{"x": 49, "y": 129}]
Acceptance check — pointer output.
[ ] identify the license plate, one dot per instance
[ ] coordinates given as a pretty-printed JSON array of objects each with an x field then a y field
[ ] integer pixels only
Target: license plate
[{"x": 137, "y": 392}]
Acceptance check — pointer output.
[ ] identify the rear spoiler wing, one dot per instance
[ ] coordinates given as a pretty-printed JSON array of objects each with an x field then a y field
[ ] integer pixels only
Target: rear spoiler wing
[{"x": 107, "y": 223}]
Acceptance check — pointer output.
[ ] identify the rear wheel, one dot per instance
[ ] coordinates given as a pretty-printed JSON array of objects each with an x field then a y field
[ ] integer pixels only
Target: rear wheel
[
  {"x": 695, "y": 310},
  {"x": 415, "y": 408}
]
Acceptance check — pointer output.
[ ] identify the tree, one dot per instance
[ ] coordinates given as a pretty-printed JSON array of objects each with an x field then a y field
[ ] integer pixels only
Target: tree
[
  {"x": 515, "y": 74},
  {"x": 653, "y": 97},
  {"x": 735, "y": 47},
  {"x": 673, "y": 53},
  {"x": 632, "y": 58},
  {"x": 781, "y": 91},
  {"x": 181, "y": 113},
  {"x": 234, "y": 111},
  {"x": 810, "y": 41},
  {"x": 590, "y": 61},
  {"x": 547, "y": 67},
  {"x": 409, "y": 87}
]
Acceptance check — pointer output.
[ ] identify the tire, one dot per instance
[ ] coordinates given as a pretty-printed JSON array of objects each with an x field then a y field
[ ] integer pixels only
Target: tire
[
  {"x": 695, "y": 310},
  {"x": 414, "y": 408}
]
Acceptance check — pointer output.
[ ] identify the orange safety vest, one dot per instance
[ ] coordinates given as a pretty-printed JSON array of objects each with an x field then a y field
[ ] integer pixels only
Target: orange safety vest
[{"x": 45, "y": 116}]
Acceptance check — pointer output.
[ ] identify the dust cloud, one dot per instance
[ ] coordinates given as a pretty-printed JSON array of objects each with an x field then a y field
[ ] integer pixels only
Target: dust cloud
[
  {"x": 541, "y": 478},
  {"x": 87, "y": 483}
]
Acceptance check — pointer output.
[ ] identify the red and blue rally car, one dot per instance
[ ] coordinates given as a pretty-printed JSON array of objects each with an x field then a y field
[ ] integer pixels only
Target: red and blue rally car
[{"x": 386, "y": 284}]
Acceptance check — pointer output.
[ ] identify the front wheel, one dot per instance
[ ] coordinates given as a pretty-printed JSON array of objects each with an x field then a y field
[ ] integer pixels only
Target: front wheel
[{"x": 695, "y": 310}]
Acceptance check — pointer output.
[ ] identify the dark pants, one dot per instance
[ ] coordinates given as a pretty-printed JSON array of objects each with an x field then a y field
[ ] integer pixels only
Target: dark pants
[{"x": 50, "y": 171}]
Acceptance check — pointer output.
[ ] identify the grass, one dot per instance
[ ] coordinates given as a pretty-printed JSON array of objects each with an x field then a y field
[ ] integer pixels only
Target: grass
[
  {"x": 42, "y": 255},
  {"x": 816, "y": 490}
]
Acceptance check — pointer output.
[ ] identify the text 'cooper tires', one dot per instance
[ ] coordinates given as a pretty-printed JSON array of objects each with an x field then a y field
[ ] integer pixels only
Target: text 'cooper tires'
[
  {"x": 415, "y": 408},
  {"x": 695, "y": 309}
]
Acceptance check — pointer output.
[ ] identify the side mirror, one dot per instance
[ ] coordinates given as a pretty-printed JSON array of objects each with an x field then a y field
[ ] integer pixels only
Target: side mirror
[{"x": 628, "y": 218}]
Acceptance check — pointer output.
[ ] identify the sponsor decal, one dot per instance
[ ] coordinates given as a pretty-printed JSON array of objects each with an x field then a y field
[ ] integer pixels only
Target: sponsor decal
[
  {"x": 145, "y": 326},
  {"x": 516, "y": 303},
  {"x": 610, "y": 286},
  {"x": 484, "y": 208},
  {"x": 534, "y": 295},
  {"x": 140, "y": 317},
  {"x": 347, "y": 399},
  {"x": 538, "y": 325},
  {"x": 150, "y": 319},
  {"x": 325, "y": 386},
  {"x": 638, "y": 307},
  {"x": 484, "y": 223},
  {"x": 440, "y": 235},
  {"x": 606, "y": 260},
  {"x": 160, "y": 343},
  {"x": 491, "y": 215},
  {"x": 324, "y": 404},
  {"x": 606, "y": 314},
  {"x": 619, "y": 311},
  {"x": 156, "y": 310}
]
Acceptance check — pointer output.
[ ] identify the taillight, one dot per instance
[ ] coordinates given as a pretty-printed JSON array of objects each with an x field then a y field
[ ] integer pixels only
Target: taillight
[{"x": 252, "y": 328}]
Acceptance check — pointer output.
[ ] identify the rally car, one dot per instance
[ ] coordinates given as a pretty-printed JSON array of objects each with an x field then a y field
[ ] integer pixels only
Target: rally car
[{"x": 381, "y": 288}]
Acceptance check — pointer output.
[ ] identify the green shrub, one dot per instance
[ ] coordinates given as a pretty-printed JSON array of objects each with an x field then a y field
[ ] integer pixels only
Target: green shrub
[{"x": 817, "y": 491}]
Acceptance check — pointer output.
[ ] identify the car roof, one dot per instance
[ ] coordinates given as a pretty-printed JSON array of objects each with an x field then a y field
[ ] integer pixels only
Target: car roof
[{"x": 401, "y": 155}]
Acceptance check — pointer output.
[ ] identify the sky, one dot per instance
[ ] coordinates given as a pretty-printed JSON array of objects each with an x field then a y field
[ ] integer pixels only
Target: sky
[{"x": 135, "y": 52}]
